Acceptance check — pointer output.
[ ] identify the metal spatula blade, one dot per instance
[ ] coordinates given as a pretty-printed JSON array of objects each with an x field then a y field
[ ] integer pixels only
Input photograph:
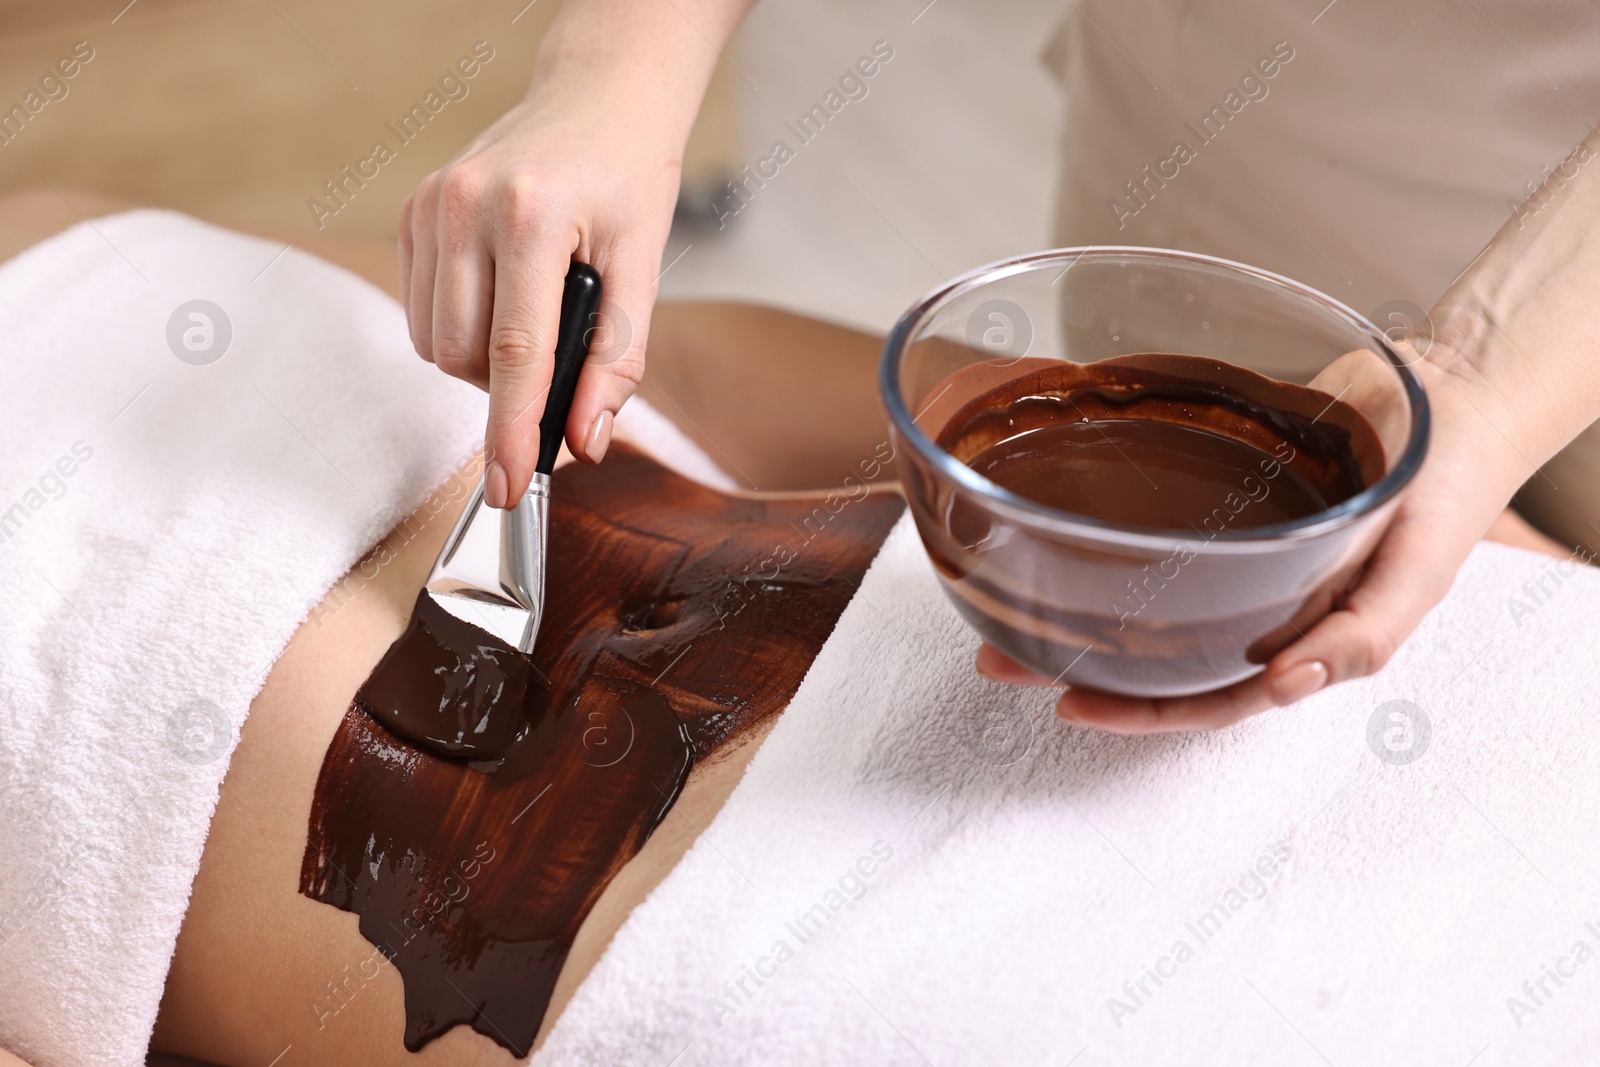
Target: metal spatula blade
[{"x": 490, "y": 573}]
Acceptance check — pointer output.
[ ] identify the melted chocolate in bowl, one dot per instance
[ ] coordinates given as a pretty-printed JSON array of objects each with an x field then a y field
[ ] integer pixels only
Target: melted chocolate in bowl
[
  {"x": 1177, "y": 473},
  {"x": 1154, "y": 444},
  {"x": 472, "y": 832}
]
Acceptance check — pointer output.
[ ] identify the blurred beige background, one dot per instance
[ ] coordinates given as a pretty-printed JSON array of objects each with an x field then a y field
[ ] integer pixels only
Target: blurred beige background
[
  {"x": 239, "y": 110},
  {"x": 948, "y": 163}
]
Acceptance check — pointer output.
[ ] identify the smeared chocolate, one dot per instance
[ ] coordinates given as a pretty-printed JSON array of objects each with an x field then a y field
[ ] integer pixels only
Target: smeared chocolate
[
  {"x": 676, "y": 620},
  {"x": 467, "y": 672}
]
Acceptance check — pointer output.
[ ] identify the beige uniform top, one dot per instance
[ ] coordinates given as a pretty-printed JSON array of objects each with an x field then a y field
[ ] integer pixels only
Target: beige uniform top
[{"x": 1370, "y": 149}]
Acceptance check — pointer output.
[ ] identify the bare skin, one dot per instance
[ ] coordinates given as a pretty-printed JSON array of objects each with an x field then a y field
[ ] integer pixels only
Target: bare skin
[{"x": 254, "y": 953}]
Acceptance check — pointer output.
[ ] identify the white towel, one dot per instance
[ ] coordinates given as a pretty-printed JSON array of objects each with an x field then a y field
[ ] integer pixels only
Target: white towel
[
  {"x": 924, "y": 867},
  {"x": 166, "y": 521},
  {"x": 658, "y": 435},
  {"x": 148, "y": 593}
]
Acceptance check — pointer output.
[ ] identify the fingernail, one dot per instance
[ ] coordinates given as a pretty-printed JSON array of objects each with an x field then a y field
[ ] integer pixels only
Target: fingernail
[
  {"x": 495, "y": 486},
  {"x": 599, "y": 438},
  {"x": 1298, "y": 682}
]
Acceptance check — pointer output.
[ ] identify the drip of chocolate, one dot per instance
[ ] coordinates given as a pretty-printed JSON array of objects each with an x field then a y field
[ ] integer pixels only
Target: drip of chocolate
[{"x": 677, "y": 619}]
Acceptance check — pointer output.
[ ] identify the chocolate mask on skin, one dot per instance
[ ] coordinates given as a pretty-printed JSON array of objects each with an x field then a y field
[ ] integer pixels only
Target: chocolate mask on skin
[{"x": 677, "y": 620}]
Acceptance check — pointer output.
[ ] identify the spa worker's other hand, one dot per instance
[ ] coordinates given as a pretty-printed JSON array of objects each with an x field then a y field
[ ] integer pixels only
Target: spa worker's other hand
[
  {"x": 586, "y": 167},
  {"x": 1512, "y": 376}
]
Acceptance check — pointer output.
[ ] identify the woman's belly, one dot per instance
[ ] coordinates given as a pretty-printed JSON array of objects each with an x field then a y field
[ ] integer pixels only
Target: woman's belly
[
  {"x": 261, "y": 968},
  {"x": 255, "y": 958}
]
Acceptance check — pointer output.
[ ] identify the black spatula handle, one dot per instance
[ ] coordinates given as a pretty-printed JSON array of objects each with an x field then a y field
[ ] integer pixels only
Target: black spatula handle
[{"x": 580, "y": 299}]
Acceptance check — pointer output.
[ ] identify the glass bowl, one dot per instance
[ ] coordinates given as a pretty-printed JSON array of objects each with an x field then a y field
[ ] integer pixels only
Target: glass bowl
[{"x": 1139, "y": 611}]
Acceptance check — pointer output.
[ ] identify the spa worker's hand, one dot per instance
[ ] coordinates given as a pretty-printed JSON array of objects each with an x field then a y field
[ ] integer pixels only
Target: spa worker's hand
[
  {"x": 586, "y": 167},
  {"x": 1513, "y": 375}
]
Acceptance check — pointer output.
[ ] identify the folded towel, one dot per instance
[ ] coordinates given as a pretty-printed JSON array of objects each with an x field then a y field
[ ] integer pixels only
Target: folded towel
[
  {"x": 184, "y": 480},
  {"x": 921, "y": 866}
]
